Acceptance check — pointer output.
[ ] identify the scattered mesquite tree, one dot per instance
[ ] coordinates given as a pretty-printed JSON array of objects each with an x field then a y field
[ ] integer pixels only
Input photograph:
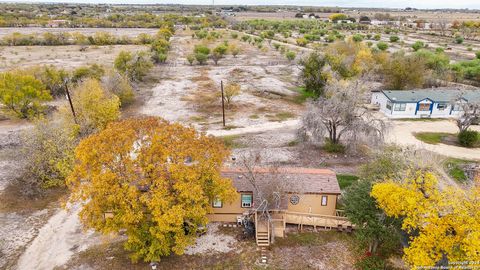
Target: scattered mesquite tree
[{"x": 341, "y": 117}]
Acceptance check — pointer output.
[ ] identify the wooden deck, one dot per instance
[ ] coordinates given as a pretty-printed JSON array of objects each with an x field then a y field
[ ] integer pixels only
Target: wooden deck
[
  {"x": 315, "y": 220},
  {"x": 280, "y": 218}
]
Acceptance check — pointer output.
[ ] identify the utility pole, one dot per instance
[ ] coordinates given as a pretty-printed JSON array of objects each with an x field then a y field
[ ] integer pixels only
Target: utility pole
[
  {"x": 70, "y": 101},
  {"x": 223, "y": 103}
]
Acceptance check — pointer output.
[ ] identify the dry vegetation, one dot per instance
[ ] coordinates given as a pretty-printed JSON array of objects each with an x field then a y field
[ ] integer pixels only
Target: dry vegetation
[{"x": 264, "y": 114}]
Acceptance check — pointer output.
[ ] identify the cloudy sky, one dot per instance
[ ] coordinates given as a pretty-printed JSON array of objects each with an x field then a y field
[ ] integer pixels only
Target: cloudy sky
[{"x": 432, "y": 4}]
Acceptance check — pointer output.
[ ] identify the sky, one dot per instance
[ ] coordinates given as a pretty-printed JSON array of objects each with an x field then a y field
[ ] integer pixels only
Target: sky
[{"x": 423, "y": 4}]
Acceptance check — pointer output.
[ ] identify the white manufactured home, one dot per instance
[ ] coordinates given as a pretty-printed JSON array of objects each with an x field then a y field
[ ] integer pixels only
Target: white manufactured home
[{"x": 430, "y": 103}]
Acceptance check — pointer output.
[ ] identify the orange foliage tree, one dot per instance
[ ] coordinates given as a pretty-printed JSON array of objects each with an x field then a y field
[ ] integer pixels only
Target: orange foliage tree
[{"x": 151, "y": 178}]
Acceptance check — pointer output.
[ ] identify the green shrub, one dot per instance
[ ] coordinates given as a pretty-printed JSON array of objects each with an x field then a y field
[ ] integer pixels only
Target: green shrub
[
  {"x": 459, "y": 39},
  {"x": 357, "y": 37},
  {"x": 331, "y": 147},
  {"x": 201, "y": 58},
  {"x": 201, "y": 49},
  {"x": 477, "y": 54},
  {"x": 201, "y": 34},
  {"x": 394, "y": 39},
  {"x": 94, "y": 71},
  {"x": 377, "y": 37},
  {"x": 330, "y": 38},
  {"x": 302, "y": 42},
  {"x": 191, "y": 58},
  {"x": 418, "y": 45},
  {"x": 468, "y": 138},
  {"x": 382, "y": 46},
  {"x": 159, "y": 57},
  {"x": 290, "y": 55}
]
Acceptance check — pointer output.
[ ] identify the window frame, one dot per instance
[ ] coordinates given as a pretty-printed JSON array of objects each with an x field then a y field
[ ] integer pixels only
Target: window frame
[
  {"x": 399, "y": 107},
  {"x": 444, "y": 106},
  {"x": 251, "y": 200},
  {"x": 424, "y": 104},
  {"x": 389, "y": 105},
  {"x": 216, "y": 199},
  {"x": 324, "y": 202}
]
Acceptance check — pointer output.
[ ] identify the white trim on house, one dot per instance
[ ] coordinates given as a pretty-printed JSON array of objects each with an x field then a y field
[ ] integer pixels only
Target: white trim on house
[{"x": 433, "y": 105}]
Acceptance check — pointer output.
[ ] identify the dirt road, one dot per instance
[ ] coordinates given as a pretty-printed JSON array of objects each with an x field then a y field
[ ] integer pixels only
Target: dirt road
[
  {"x": 57, "y": 241},
  {"x": 402, "y": 133}
]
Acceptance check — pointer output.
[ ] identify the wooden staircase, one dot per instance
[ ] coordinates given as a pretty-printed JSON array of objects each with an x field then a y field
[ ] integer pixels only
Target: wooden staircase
[
  {"x": 263, "y": 239},
  {"x": 262, "y": 232}
]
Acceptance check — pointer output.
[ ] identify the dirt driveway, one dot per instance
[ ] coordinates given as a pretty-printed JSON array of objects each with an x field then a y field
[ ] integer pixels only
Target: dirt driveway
[{"x": 401, "y": 133}]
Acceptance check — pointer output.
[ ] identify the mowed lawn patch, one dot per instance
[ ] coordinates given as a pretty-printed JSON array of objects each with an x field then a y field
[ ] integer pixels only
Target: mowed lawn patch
[
  {"x": 432, "y": 137},
  {"x": 346, "y": 180}
]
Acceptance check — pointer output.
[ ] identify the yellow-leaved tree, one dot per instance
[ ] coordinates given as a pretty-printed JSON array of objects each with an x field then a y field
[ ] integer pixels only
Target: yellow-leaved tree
[
  {"x": 443, "y": 224},
  {"x": 349, "y": 58},
  {"x": 94, "y": 106},
  {"x": 151, "y": 178}
]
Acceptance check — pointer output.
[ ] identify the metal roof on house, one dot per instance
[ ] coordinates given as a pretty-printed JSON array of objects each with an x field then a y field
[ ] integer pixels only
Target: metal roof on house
[
  {"x": 436, "y": 95},
  {"x": 292, "y": 180}
]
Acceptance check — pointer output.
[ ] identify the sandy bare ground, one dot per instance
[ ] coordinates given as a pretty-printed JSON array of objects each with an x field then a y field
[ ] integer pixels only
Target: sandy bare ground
[
  {"x": 9, "y": 140},
  {"x": 16, "y": 232},
  {"x": 129, "y": 32},
  {"x": 402, "y": 134},
  {"x": 212, "y": 242},
  {"x": 68, "y": 57},
  {"x": 264, "y": 127},
  {"x": 57, "y": 241},
  {"x": 182, "y": 86}
]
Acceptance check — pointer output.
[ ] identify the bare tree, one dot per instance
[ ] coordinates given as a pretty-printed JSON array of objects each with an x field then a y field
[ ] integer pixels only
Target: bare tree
[
  {"x": 442, "y": 26},
  {"x": 269, "y": 188},
  {"x": 341, "y": 117},
  {"x": 470, "y": 112}
]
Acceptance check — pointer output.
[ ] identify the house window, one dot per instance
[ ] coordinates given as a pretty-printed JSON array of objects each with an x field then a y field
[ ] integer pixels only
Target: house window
[
  {"x": 424, "y": 107},
  {"x": 441, "y": 106},
  {"x": 247, "y": 200},
  {"x": 217, "y": 203},
  {"x": 324, "y": 200},
  {"x": 294, "y": 199},
  {"x": 399, "y": 106},
  {"x": 389, "y": 105}
]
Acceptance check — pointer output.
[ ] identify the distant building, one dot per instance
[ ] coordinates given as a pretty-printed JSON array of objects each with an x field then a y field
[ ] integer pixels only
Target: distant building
[
  {"x": 364, "y": 20},
  {"x": 430, "y": 103},
  {"x": 58, "y": 23}
]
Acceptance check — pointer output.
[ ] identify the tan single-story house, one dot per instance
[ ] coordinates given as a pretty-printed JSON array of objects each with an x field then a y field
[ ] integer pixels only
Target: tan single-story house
[{"x": 309, "y": 197}]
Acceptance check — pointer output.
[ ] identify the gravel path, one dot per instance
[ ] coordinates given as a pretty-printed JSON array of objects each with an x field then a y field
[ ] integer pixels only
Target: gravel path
[{"x": 269, "y": 126}]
